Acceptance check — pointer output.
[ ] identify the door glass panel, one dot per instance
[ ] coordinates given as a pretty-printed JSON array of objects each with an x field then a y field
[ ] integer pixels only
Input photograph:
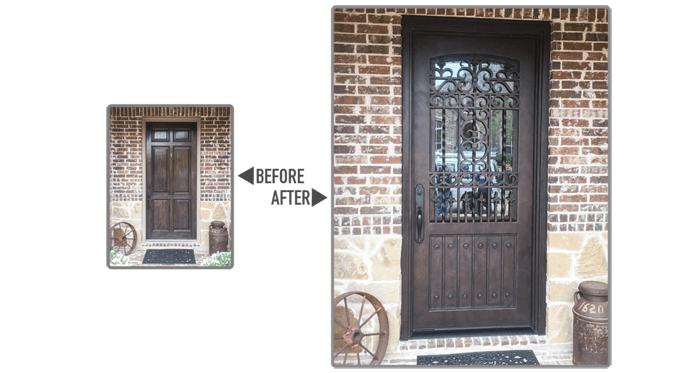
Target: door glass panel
[
  {"x": 474, "y": 113},
  {"x": 182, "y": 135},
  {"x": 160, "y": 135}
]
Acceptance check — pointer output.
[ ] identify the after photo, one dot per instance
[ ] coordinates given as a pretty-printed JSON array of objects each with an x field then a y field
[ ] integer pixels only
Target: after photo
[{"x": 471, "y": 186}]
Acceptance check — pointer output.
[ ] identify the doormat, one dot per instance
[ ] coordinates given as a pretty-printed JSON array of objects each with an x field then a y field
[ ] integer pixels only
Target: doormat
[
  {"x": 169, "y": 256},
  {"x": 518, "y": 357}
]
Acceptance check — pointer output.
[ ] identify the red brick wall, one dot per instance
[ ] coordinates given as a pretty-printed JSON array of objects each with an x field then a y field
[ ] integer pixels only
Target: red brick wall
[
  {"x": 367, "y": 116},
  {"x": 126, "y": 153}
]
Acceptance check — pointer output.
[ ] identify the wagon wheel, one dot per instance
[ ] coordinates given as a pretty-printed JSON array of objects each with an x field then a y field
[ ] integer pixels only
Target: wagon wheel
[
  {"x": 359, "y": 332},
  {"x": 123, "y": 237}
]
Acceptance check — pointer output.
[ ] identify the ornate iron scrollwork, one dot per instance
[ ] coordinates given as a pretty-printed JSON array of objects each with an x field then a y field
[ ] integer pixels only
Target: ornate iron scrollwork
[{"x": 474, "y": 104}]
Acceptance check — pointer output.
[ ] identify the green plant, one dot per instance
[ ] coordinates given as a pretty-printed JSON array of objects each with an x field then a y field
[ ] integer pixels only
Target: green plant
[
  {"x": 509, "y": 158},
  {"x": 222, "y": 259},
  {"x": 118, "y": 259}
]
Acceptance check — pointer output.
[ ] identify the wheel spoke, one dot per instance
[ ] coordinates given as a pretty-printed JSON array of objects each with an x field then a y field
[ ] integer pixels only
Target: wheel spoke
[
  {"x": 345, "y": 359},
  {"x": 359, "y": 318},
  {"x": 368, "y": 351},
  {"x": 347, "y": 316},
  {"x": 358, "y": 358},
  {"x": 341, "y": 350},
  {"x": 373, "y": 334},
  {"x": 375, "y": 312},
  {"x": 341, "y": 325}
]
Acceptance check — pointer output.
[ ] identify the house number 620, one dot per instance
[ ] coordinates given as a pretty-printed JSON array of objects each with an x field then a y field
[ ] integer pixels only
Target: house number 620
[{"x": 584, "y": 307}]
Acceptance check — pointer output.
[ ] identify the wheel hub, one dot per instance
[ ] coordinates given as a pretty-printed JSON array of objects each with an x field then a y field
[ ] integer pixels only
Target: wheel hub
[
  {"x": 353, "y": 337},
  {"x": 120, "y": 237}
]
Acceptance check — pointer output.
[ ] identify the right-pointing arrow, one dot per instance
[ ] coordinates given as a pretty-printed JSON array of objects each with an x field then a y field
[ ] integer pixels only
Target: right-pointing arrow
[
  {"x": 316, "y": 197},
  {"x": 248, "y": 176}
]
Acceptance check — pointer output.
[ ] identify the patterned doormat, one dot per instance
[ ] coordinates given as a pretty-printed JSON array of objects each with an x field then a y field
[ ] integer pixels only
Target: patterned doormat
[
  {"x": 519, "y": 357},
  {"x": 169, "y": 256}
]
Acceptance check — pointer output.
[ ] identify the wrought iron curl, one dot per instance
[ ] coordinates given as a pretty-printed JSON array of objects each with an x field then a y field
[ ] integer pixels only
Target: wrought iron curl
[
  {"x": 484, "y": 81},
  {"x": 510, "y": 179},
  {"x": 451, "y": 101}
]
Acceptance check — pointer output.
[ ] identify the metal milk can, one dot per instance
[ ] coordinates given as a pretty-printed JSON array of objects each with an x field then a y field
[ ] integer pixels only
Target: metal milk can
[
  {"x": 591, "y": 324},
  {"x": 218, "y": 237}
]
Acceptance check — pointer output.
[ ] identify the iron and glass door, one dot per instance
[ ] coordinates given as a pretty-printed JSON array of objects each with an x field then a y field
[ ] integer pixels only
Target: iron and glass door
[
  {"x": 171, "y": 180},
  {"x": 475, "y": 96}
]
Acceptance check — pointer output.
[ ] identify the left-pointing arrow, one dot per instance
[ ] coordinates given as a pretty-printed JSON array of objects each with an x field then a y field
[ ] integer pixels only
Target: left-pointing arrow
[{"x": 249, "y": 175}]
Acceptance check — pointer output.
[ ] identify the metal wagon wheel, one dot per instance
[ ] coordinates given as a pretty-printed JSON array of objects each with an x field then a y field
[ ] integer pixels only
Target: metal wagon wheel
[
  {"x": 123, "y": 237},
  {"x": 367, "y": 338}
]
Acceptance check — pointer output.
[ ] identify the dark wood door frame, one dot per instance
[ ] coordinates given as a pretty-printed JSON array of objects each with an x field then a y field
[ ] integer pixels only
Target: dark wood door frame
[
  {"x": 144, "y": 214},
  {"x": 536, "y": 31}
]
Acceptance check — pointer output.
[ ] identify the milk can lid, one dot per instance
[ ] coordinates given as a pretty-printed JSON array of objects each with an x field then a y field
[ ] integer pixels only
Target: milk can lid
[
  {"x": 594, "y": 288},
  {"x": 217, "y": 223}
]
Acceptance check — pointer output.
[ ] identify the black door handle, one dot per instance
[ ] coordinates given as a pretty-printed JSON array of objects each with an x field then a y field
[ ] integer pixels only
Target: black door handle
[
  {"x": 419, "y": 227},
  {"x": 419, "y": 213}
]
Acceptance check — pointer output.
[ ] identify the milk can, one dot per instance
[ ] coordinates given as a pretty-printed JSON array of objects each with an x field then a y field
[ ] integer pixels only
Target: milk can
[
  {"x": 218, "y": 237},
  {"x": 591, "y": 324}
]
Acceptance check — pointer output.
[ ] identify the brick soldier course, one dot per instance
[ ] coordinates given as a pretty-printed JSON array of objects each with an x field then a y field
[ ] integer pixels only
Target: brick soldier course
[{"x": 368, "y": 153}]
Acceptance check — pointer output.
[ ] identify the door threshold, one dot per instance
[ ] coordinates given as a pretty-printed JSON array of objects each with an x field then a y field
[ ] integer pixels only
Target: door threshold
[
  {"x": 472, "y": 333},
  {"x": 153, "y": 244},
  {"x": 169, "y": 241}
]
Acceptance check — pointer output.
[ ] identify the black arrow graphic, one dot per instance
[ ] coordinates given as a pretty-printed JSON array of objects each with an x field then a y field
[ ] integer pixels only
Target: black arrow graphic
[
  {"x": 316, "y": 197},
  {"x": 248, "y": 176}
]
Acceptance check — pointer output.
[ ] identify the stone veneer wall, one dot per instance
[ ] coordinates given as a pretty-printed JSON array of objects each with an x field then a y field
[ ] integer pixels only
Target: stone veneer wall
[
  {"x": 126, "y": 163},
  {"x": 367, "y": 153}
]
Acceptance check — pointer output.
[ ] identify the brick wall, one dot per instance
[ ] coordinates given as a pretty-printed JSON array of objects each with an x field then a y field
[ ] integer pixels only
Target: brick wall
[
  {"x": 367, "y": 116},
  {"x": 126, "y": 153},
  {"x": 125, "y": 157}
]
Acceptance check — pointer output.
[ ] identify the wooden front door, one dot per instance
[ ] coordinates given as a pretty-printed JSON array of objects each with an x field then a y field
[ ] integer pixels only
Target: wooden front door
[
  {"x": 171, "y": 191},
  {"x": 474, "y": 175}
]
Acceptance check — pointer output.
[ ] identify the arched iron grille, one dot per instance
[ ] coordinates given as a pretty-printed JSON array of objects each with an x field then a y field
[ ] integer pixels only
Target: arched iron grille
[{"x": 474, "y": 107}]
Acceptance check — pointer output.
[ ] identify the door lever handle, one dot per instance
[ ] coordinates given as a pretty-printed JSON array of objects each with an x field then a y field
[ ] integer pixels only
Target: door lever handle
[
  {"x": 419, "y": 212},
  {"x": 419, "y": 227},
  {"x": 148, "y": 201}
]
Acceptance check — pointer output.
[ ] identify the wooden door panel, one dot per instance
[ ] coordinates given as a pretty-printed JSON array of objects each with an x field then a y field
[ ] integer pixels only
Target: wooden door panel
[
  {"x": 465, "y": 271},
  {"x": 181, "y": 215},
  {"x": 171, "y": 180},
  {"x": 480, "y": 243},
  {"x": 435, "y": 264},
  {"x": 472, "y": 118},
  {"x": 181, "y": 169},
  {"x": 495, "y": 272},
  {"x": 161, "y": 169},
  {"x": 161, "y": 214},
  {"x": 450, "y": 288}
]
